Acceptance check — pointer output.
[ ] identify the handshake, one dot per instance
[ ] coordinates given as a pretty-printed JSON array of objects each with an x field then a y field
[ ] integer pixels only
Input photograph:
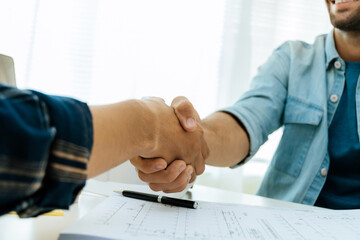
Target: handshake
[
  {"x": 165, "y": 143},
  {"x": 176, "y": 150}
]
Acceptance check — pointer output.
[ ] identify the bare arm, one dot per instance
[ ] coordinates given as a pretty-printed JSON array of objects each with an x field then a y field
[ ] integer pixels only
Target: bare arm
[
  {"x": 227, "y": 140},
  {"x": 121, "y": 131}
]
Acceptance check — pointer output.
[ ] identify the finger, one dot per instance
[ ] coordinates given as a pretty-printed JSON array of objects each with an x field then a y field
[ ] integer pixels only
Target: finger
[
  {"x": 199, "y": 164},
  {"x": 178, "y": 185},
  {"x": 193, "y": 177},
  {"x": 167, "y": 175},
  {"x": 186, "y": 113},
  {"x": 152, "y": 98},
  {"x": 148, "y": 165}
]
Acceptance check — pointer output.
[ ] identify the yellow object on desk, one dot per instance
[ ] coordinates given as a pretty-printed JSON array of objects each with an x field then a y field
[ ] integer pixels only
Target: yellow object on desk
[{"x": 56, "y": 212}]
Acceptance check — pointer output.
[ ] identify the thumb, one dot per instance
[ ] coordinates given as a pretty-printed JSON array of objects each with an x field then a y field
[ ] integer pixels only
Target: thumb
[{"x": 185, "y": 112}]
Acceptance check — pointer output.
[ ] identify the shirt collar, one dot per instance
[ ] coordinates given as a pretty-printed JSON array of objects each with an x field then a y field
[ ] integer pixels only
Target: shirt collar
[{"x": 330, "y": 49}]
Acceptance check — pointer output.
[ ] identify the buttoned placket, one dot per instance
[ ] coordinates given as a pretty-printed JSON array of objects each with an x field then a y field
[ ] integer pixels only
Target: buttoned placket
[
  {"x": 337, "y": 88},
  {"x": 334, "y": 99}
]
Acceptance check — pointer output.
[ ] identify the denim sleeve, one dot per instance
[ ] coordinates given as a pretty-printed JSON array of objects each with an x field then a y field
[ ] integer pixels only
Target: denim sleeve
[
  {"x": 45, "y": 144},
  {"x": 261, "y": 108}
]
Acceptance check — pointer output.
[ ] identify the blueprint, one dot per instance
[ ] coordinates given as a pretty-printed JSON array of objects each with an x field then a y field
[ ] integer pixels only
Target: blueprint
[{"x": 119, "y": 217}]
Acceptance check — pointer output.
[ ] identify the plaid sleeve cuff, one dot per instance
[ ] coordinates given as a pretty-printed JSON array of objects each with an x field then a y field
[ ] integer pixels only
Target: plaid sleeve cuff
[{"x": 69, "y": 153}]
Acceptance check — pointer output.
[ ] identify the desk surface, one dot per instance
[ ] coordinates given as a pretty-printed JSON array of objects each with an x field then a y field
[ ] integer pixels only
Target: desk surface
[{"x": 49, "y": 227}]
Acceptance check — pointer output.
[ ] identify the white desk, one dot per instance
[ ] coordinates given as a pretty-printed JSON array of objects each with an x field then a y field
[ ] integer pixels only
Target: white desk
[{"x": 49, "y": 227}]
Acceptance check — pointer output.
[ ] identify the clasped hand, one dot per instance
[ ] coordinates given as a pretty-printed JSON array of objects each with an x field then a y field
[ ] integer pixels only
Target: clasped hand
[{"x": 179, "y": 149}]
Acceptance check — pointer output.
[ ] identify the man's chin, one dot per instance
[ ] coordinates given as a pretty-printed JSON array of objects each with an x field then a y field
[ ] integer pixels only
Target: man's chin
[
  {"x": 348, "y": 24},
  {"x": 347, "y": 27}
]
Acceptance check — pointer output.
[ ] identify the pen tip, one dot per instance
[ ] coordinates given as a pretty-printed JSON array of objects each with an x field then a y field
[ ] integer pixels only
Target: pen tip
[{"x": 120, "y": 192}]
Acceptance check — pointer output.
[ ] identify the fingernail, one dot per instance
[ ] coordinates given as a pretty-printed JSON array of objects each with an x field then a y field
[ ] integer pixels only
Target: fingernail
[
  {"x": 159, "y": 167},
  {"x": 190, "y": 122},
  {"x": 189, "y": 174},
  {"x": 181, "y": 168}
]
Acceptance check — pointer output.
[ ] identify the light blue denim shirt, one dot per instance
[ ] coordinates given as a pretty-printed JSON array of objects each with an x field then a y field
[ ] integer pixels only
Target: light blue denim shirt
[{"x": 299, "y": 88}]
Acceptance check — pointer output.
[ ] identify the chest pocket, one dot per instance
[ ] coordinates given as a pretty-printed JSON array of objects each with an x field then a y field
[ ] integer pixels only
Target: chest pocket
[{"x": 301, "y": 122}]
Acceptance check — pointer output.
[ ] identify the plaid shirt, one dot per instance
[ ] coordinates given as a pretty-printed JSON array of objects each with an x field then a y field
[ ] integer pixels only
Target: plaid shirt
[{"x": 45, "y": 144}]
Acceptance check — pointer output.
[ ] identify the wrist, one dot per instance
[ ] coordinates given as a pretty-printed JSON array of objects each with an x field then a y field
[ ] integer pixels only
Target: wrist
[
  {"x": 148, "y": 127},
  {"x": 122, "y": 130},
  {"x": 208, "y": 133}
]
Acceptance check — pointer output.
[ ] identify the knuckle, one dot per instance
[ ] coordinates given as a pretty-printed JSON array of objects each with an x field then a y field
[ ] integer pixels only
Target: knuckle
[
  {"x": 171, "y": 174},
  {"x": 169, "y": 191},
  {"x": 142, "y": 176},
  {"x": 155, "y": 187},
  {"x": 147, "y": 168},
  {"x": 182, "y": 187},
  {"x": 169, "y": 177},
  {"x": 200, "y": 170},
  {"x": 179, "y": 188},
  {"x": 180, "y": 183},
  {"x": 134, "y": 161}
]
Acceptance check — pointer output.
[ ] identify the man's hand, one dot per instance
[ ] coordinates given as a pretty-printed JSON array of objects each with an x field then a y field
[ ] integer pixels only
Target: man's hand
[
  {"x": 174, "y": 178},
  {"x": 186, "y": 113},
  {"x": 177, "y": 175},
  {"x": 171, "y": 141}
]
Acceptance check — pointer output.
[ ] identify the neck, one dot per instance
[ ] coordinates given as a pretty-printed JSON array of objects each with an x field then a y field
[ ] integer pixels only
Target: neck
[{"x": 348, "y": 45}]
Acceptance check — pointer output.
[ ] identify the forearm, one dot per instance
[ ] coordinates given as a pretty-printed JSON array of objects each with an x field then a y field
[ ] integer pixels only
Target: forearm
[
  {"x": 227, "y": 140},
  {"x": 46, "y": 142},
  {"x": 121, "y": 131}
]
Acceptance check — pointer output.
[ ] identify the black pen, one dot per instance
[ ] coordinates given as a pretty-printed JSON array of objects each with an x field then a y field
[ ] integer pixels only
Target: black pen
[{"x": 159, "y": 199}]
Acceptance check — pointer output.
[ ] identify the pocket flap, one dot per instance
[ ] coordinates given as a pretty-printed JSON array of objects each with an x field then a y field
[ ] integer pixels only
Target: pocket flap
[{"x": 299, "y": 112}]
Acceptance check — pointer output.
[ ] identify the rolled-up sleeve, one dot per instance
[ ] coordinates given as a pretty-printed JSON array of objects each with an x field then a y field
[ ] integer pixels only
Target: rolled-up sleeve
[
  {"x": 45, "y": 144},
  {"x": 260, "y": 109}
]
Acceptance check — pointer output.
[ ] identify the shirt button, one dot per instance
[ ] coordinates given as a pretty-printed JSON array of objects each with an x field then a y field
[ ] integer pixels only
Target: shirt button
[
  {"x": 337, "y": 64},
  {"x": 334, "y": 98},
  {"x": 323, "y": 172}
]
